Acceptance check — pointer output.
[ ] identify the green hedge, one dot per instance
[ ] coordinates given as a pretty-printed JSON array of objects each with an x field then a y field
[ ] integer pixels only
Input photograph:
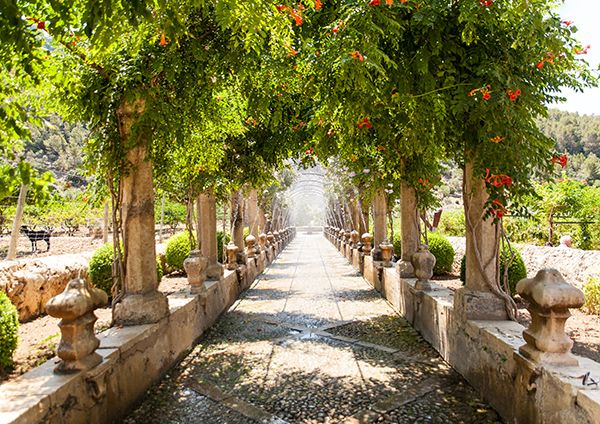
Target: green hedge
[
  {"x": 443, "y": 251},
  {"x": 516, "y": 271},
  {"x": 9, "y": 327},
  {"x": 100, "y": 268}
]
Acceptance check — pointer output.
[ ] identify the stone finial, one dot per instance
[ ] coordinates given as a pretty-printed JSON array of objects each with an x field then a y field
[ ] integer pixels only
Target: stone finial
[
  {"x": 550, "y": 298},
  {"x": 262, "y": 241},
  {"x": 347, "y": 236},
  {"x": 367, "y": 238},
  {"x": 75, "y": 307},
  {"x": 231, "y": 250},
  {"x": 250, "y": 249},
  {"x": 354, "y": 238},
  {"x": 277, "y": 236},
  {"x": 423, "y": 263},
  {"x": 270, "y": 239},
  {"x": 387, "y": 250},
  {"x": 195, "y": 267}
]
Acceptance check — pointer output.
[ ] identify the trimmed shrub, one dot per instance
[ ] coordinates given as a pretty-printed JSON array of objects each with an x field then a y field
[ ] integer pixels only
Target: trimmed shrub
[
  {"x": 178, "y": 249},
  {"x": 100, "y": 268},
  {"x": 516, "y": 271},
  {"x": 443, "y": 251},
  {"x": 9, "y": 326},
  {"x": 591, "y": 289}
]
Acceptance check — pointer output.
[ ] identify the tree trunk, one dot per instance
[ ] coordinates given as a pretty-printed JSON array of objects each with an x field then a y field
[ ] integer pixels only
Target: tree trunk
[{"x": 14, "y": 235}]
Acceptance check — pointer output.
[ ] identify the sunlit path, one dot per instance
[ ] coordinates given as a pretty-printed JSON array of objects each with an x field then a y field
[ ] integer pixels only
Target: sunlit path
[{"x": 312, "y": 342}]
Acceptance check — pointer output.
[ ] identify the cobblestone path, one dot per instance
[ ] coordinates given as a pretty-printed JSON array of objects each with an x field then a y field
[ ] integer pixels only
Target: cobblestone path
[{"x": 312, "y": 342}]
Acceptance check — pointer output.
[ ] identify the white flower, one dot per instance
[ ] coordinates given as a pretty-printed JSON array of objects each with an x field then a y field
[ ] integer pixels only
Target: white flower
[{"x": 366, "y": 171}]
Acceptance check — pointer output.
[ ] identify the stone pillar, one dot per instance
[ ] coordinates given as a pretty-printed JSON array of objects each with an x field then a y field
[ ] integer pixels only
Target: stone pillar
[
  {"x": 409, "y": 229},
  {"x": 142, "y": 303},
  {"x": 379, "y": 221},
  {"x": 237, "y": 219},
  {"x": 475, "y": 300},
  {"x": 253, "y": 213},
  {"x": 207, "y": 233},
  {"x": 75, "y": 306}
]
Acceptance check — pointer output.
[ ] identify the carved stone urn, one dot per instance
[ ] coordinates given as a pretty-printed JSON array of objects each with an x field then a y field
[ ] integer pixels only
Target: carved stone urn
[
  {"x": 262, "y": 241},
  {"x": 367, "y": 238},
  {"x": 355, "y": 238},
  {"x": 423, "y": 261},
  {"x": 195, "y": 267},
  {"x": 75, "y": 307},
  {"x": 550, "y": 298},
  {"x": 231, "y": 250},
  {"x": 387, "y": 250},
  {"x": 250, "y": 246}
]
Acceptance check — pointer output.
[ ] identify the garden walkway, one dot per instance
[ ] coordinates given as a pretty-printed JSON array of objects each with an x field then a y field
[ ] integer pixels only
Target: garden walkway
[{"x": 311, "y": 341}]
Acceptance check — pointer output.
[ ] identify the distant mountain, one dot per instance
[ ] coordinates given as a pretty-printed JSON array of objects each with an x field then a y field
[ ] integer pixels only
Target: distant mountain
[{"x": 572, "y": 132}]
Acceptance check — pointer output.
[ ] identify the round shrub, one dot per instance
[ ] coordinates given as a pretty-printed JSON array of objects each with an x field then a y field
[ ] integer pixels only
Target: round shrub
[
  {"x": 516, "y": 271},
  {"x": 9, "y": 326},
  {"x": 443, "y": 251},
  {"x": 100, "y": 268},
  {"x": 178, "y": 249}
]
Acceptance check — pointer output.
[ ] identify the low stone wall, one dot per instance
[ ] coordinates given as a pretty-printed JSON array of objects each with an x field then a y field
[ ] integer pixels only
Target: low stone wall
[
  {"x": 134, "y": 358},
  {"x": 486, "y": 354},
  {"x": 29, "y": 284},
  {"x": 577, "y": 266}
]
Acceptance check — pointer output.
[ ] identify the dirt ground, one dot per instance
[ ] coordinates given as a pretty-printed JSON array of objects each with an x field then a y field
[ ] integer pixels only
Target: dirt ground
[
  {"x": 39, "y": 338},
  {"x": 583, "y": 328},
  {"x": 59, "y": 245}
]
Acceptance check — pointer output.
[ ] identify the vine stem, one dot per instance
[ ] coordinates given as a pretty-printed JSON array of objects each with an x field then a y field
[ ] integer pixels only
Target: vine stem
[{"x": 439, "y": 89}]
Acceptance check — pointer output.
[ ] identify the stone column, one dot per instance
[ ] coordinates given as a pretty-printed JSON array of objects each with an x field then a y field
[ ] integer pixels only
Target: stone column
[
  {"x": 379, "y": 221},
  {"x": 364, "y": 219},
  {"x": 252, "y": 211},
  {"x": 475, "y": 300},
  {"x": 142, "y": 303},
  {"x": 207, "y": 233},
  {"x": 237, "y": 219},
  {"x": 409, "y": 229}
]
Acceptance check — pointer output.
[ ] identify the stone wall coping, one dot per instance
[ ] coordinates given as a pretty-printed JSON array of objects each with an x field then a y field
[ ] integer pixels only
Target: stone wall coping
[
  {"x": 487, "y": 354},
  {"x": 28, "y": 398}
]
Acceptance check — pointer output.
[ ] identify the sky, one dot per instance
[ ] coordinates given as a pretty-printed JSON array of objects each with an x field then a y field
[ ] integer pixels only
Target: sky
[{"x": 585, "y": 15}]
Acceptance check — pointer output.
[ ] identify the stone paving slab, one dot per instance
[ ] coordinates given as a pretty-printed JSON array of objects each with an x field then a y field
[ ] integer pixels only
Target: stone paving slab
[{"x": 311, "y": 342}]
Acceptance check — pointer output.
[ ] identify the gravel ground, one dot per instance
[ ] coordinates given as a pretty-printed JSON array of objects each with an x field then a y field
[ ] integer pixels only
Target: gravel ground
[{"x": 290, "y": 349}]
